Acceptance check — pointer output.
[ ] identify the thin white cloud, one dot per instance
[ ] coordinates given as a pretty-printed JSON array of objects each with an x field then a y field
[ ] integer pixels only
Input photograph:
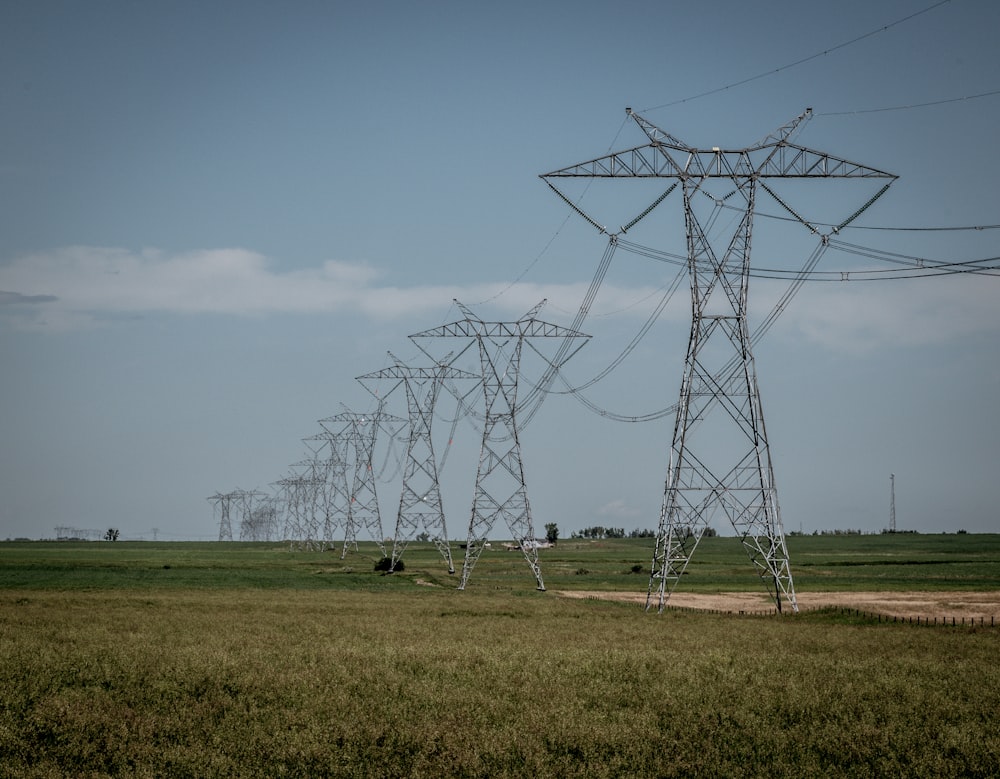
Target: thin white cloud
[
  {"x": 618, "y": 509},
  {"x": 77, "y": 286},
  {"x": 860, "y": 317},
  {"x": 82, "y": 284}
]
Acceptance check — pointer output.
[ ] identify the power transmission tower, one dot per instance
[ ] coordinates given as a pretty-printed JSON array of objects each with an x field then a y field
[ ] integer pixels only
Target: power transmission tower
[
  {"x": 500, "y": 490},
  {"x": 349, "y": 431},
  {"x": 720, "y": 461},
  {"x": 299, "y": 497},
  {"x": 331, "y": 494},
  {"x": 364, "y": 499},
  {"x": 260, "y": 520},
  {"x": 420, "y": 504},
  {"x": 250, "y": 501},
  {"x": 222, "y": 503},
  {"x": 336, "y": 484}
]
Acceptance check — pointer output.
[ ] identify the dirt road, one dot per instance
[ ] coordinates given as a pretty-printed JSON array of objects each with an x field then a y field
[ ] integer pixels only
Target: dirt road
[{"x": 897, "y": 604}]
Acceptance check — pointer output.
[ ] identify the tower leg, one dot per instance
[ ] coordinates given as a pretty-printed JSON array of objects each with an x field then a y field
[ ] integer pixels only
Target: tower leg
[{"x": 720, "y": 462}]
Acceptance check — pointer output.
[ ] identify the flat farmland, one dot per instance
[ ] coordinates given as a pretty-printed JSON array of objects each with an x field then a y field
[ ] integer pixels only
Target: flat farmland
[{"x": 203, "y": 660}]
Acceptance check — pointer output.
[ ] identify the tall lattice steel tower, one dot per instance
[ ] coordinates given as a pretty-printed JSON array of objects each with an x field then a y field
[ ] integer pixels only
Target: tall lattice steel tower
[
  {"x": 222, "y": 502},
  {"x": 720, "y": 462},
  {"x": 353, "y": 489},
  {"x": 420, "y": 504},
  {"x": 500, "y": 490}
]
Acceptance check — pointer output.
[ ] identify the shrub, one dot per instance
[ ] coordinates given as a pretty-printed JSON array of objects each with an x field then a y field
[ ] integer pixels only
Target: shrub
[{"x": 385, "y": 564}]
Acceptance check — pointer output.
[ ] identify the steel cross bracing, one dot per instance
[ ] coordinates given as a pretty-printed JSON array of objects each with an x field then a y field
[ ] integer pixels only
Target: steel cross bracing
[
  {"x": 364, "y": 498},
  {"x": 336, "y": 487},
  {"x": 500, "y": 491},
  {"x": 260, "y": 522},
  {"x": 248, "y": 509},
  {"x": 222, "y": 502},
  {"x": 354, "y": 485},
  {"x": 720, "y": 462},
  {"x": 331, "y": 496},
  {"x": 309, "y": 486},
  {"x": 299, "y": 497},
  {"x": 420, "y": 504}
]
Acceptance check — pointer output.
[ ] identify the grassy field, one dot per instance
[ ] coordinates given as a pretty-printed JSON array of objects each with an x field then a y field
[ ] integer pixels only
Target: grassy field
[
  {"x": 204, "y": 660},
  {"x": 879, "y": 562}
]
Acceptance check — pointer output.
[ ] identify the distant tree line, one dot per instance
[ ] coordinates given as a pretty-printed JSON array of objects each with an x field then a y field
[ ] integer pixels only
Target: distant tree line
[
  {"x": 599, "y": 532},
  {"x": 853, "y": 532}
]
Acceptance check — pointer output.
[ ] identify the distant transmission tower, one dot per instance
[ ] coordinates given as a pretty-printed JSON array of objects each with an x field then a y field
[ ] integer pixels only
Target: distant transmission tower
[
  {"x": 500, "y": 491},
  {"x": 352, "y": 480},
  {"x": 335, "y": 487},
  {"x": 364, "y": 508},
  {"x": 420, "y": 504},
  {"x": 720, "y": 462},
  {"x": 222, "y": 503}
]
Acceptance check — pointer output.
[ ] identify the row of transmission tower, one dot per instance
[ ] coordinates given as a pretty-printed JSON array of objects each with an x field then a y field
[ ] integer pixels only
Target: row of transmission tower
[
  {"x": 333, "y": 492},
  {"x": 719, "y": 460}
]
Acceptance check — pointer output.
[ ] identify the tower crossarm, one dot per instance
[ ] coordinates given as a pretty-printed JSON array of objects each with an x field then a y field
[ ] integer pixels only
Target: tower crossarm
[
  {"x": 790, "y": 160},
  {"x": 419, "y": 373},
  {"x": 786, "y": 160},
  {"x": 666, "y": 157},
  {"x": 523, "y": 328}
]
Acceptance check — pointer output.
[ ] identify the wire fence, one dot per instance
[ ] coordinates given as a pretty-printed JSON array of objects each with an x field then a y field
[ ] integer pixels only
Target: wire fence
[{"x": 868, "y": 616}]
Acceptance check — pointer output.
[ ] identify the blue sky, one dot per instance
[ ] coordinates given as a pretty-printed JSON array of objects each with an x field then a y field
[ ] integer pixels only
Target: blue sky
[{"x": 215, "y": 216}]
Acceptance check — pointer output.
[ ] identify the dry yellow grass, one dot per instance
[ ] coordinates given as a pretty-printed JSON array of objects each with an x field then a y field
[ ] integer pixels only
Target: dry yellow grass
[{"x": 436, "y": 682}]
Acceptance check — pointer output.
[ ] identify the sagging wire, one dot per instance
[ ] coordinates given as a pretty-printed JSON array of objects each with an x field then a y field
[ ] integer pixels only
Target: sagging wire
[{"x": 800, "y": 61}]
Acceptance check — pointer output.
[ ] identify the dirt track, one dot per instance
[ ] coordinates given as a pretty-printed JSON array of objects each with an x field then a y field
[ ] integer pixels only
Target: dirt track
[{"x": 896, "y": 604}]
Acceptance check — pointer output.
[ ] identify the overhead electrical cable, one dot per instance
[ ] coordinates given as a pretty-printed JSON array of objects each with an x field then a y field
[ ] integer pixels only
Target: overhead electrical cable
[
  {"x": 538, "y": 393},
  {"x": 909, "y": 106},
  {"x": 942, "y": 228},
  {"x": 802, "y": 61},
  {"x": 630, "y": 347},
  {"x": 559, "y": 229},
  {"x": 930, "y": 229},
  {"x": 908, "y": 264}
]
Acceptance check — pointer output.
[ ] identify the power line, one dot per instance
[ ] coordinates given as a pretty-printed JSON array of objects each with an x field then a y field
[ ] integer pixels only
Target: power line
[
  {"x": 555, "y": 235},
  {"x": 908, "y": 106},
  {"x": 929, "y": 229},
  {"x": 911, "y": 266},
  {"x": 800, "y": 61},
  {"x": 941, "y": 228}
]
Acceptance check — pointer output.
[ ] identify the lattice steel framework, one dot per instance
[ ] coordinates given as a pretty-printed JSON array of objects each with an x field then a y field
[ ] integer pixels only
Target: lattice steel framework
[
  {"x": 351, "y": 481},
  {"x": 222, "y": 503},
  {"x": 420, "y": 503},
  {"x": 364, "y": 498},
  {"x": 331, "y": 495},
  {"x": 338, "y": 434},
  {"x": 500, "y": 490},
  {"x": 302, "y": 498},
  {"x": 720, "y": 461},
  {"x": 260, "y": 518}
]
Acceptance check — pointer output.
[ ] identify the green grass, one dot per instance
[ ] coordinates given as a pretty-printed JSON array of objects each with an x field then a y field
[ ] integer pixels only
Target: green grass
[
  {"x": 819, "y": 563},
  {"x": 211, "y": 660}
]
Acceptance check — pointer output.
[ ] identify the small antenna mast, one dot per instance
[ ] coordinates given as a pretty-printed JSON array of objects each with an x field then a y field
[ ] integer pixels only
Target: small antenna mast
[{"x": 892, "y": 503}]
